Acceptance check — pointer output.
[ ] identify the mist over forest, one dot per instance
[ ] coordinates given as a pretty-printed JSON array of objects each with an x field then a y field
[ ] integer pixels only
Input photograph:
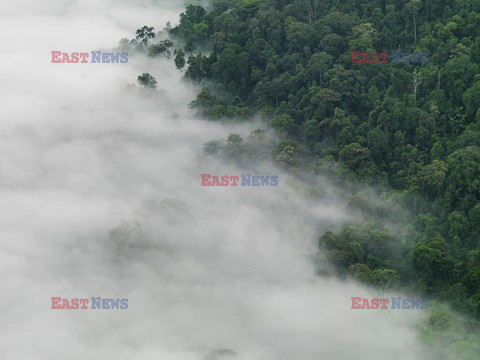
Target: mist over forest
[{"x": 378, "y": 168}]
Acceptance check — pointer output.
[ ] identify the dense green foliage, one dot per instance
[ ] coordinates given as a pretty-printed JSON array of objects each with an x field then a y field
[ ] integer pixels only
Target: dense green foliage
[{"x": 410, "y": 130}]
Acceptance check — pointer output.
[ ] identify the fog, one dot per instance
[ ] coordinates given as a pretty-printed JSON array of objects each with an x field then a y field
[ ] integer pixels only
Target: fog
[{"x": 100, "y": 196}]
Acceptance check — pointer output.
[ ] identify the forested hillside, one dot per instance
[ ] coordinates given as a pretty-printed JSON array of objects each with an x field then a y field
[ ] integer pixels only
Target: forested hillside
[{"x": 411, "y": 131}]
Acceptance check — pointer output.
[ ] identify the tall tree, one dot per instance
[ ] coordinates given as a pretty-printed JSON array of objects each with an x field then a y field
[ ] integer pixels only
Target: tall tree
[{"x": 145, "y": 33}]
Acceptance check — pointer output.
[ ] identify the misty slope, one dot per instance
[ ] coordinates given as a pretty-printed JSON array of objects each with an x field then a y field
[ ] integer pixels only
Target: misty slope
[
  {"x": 409, "y": 131},
  {"x": 100, "y": 196}
]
